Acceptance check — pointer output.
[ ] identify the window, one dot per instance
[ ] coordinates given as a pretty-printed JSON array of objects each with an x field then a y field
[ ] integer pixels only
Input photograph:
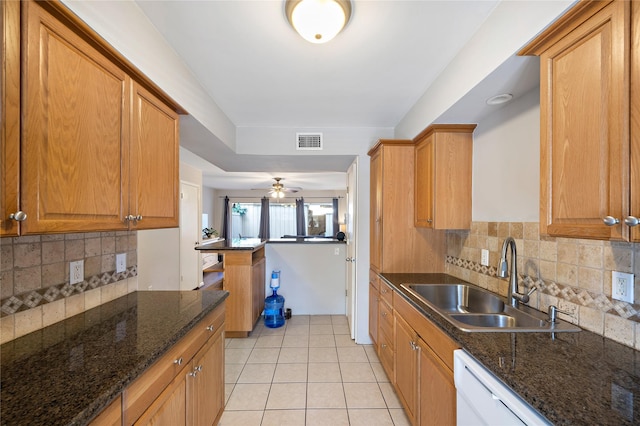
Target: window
[{"x": 245, "y": 219}]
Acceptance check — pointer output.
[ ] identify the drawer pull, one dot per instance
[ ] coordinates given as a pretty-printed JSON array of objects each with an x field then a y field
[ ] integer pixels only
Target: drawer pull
[
  {"x": 178, "y": 361},
  {"x": 210, "y": 328},
  {"x": 384, "y": 290},
  {"x": 611, "y": 221},
  {"x": 631, "y": 221}
]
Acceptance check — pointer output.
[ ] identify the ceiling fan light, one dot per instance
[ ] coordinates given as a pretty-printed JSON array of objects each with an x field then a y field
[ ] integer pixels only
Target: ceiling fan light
[{"x": 318, "y": 21}]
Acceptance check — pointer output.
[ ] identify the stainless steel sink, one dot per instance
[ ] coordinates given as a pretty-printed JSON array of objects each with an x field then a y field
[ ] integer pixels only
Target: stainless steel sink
[{"x": 471, "y": 308}]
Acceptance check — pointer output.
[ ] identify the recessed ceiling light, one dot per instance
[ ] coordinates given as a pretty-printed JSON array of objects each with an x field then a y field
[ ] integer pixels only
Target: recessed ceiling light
[{"x": 499, "y": 99}]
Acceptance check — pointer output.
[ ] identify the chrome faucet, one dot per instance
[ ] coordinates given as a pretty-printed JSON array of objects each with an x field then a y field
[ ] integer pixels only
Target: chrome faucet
[{"x": 515, "y": 297}]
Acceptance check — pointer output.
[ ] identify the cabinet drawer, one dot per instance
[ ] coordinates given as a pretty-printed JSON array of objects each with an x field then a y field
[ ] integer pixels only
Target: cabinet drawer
[
  {"x": 374, "y": 279},
  {"x": 386, "y": 354},
  {"x": 386, "y": 293},
  {"x": 144, "y": 390},
  {"x": 386, "y": 318}
]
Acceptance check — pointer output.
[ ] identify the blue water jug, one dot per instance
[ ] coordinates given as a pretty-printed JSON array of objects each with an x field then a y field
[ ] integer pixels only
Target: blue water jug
[{"x": 274, "y": 310}]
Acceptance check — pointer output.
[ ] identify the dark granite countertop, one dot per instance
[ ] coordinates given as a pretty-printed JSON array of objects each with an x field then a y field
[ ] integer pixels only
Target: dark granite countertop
[
  {"x": 575, "y": 378},
  {"x": 236, "y": 244},
  {"x": 70, "y": 371}
]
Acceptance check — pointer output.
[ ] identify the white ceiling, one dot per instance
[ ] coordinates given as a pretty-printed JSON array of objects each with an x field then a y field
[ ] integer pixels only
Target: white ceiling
[{"x": 261, "y": 73}]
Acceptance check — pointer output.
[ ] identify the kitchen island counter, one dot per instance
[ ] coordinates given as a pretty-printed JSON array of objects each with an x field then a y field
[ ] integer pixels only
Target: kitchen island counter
[
  {"x": 67, "y": 373},
  {"x": 570, "y": 378}
]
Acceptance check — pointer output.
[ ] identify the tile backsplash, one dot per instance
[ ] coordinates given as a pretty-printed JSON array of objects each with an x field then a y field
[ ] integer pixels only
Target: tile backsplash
[
  {"x": 34, "y": 277},
  {"x": 573, "y": 274}
]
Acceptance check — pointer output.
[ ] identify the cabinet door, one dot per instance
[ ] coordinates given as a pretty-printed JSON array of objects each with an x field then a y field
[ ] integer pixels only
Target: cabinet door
[
  {"x": 170, "y": 408},
  {"x": 635, "y": 118},
  {"x": 407, "y": 367},
  {"x": 584, "y": 156},
  {"x": 206, "y": 398},
  {"x": 75, "y": 107},
  {"x": 258, "y": 288},
  {"x": 110, "y": 416},
  {"x": 154, "y": 162},
  {"x": 10, "y": 117},
  {"x": 437, "y": 389},
  {"x": 375, "y": 259},
  {"x": 374, "y": 298},
  {"x": 423, "y": 214}
]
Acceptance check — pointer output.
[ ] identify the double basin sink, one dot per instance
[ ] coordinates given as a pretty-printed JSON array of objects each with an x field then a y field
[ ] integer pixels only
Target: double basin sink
[{"x": 474, "y": 309}]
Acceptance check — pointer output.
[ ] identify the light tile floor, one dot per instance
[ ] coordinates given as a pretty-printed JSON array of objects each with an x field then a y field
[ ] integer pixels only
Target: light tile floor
[{"x": 308, "y": 372}]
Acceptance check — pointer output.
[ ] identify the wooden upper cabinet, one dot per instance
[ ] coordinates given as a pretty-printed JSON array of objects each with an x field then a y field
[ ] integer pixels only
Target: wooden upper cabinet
[
  {"x": 584, "y": 119},
  {"x": 444, "y": 161},
  {"x": 635, "y": 120},
  {"x": 75, "y": 106},
  {"x": 396, "y": 244},
  {"x": 10, "y": 117},
  {"x": 375, "y": 222},
  {"x": 155, "y": 163},
  {"x": 88, "y": 142}
]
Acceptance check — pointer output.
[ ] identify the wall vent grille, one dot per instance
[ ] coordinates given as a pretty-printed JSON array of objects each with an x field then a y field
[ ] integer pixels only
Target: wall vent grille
[{"x": 309, "y": 141}]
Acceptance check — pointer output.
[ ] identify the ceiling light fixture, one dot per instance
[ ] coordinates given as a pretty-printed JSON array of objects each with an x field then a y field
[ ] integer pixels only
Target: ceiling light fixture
[
  {"x": 318, "y": 21},
  {"x": 499, "y": 99}
]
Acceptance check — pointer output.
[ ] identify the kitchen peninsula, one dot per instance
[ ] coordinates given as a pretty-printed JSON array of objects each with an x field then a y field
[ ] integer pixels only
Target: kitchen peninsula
[{"x": 244, "y": 278}]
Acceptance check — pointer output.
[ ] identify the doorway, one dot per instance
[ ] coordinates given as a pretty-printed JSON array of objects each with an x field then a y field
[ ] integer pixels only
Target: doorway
[
  {"x": 352, "y": 184},
  {"x": 190, "y": 234}
]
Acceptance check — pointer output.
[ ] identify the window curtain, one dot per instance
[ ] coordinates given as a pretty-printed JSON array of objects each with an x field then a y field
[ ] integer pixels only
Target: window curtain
[
  {"x": 336, "y": 222},
  {"x": 301, "y": 225},
  {"x": 263, "y": 234},
  {"x": 226, "y": 223}
]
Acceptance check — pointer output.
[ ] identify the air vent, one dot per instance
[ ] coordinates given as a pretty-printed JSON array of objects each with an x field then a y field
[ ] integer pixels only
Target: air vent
[{"x": 309, "y": 141}]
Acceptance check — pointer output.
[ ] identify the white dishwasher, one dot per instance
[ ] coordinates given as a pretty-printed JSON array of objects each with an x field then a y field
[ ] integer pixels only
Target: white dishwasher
[{"x": 483, "y": 400}]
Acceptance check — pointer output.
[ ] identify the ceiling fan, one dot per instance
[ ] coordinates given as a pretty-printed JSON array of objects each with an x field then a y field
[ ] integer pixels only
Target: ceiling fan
[{"x": 278, "y": 189}]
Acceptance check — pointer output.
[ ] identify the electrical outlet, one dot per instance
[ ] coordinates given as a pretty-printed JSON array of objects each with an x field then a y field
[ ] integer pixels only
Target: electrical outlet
[
  {"x": 484, "y": 260},
  {"x": 336, "y": 251},
  {"x": 121, "y": 262},
  {"x": 76, "y": 272},
  {"x": 622, "y": 286}
]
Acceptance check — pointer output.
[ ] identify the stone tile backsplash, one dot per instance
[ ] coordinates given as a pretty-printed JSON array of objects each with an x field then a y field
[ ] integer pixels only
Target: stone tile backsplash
[
  {"x": 34, "y": 277},
  {"x": 573, "y": 274}
]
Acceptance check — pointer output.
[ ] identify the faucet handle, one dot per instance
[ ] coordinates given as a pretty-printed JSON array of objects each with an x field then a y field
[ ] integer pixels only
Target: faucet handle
[{"x": 553, "y": 313}]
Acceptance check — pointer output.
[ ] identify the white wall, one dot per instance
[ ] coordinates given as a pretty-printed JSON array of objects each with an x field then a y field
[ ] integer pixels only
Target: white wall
[
  {"x": 506, "y": 163},
  {"x": 312, "y": 276},
  {"x": 511, "y": 25},
  {"x": 129, "y": 31},
  {"x": 159, "y": 259}
]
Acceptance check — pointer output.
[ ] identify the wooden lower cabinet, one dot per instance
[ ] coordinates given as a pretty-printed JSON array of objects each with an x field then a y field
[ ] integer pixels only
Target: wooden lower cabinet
[
  {"x": 407, "y": 367},
  {"x": 186, "y": 385},
  {"x": 244, "y": 279},
  {"x": 436, "y": 388},
  {"x": 374, "y": 299},
  {"x": 423, "y": 376},
  {"x": 207, "y": 384},
  {"x": 170, "y": 408}
]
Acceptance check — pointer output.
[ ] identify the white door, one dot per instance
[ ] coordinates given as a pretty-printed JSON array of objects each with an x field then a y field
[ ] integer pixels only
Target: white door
[
  {"x": 351, "y": 246},
  {"x": 190, "y": 234}
]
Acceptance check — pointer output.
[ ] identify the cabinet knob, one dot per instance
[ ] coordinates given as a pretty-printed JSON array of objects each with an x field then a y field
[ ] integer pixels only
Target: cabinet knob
[
  {"x": 384, "y": 314},
  {"x": 429, "y": 220},
  {"x": 610, "y": 220},
  {"x": 139, "y": 217},
  {"x": 414, "y": 346},
  {"x": 383, "y": 346},
  {"x": 129, "y": 218},
  {"x": 632, "y": 221},
  {"x": 210, "y": 328},
  {"x": 18, "y": 216},
  {"x": 178, "y": 361}
]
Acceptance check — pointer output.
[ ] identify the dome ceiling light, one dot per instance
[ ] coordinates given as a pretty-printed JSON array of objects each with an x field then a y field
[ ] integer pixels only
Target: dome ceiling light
[{"x": 318, "y": 21}]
